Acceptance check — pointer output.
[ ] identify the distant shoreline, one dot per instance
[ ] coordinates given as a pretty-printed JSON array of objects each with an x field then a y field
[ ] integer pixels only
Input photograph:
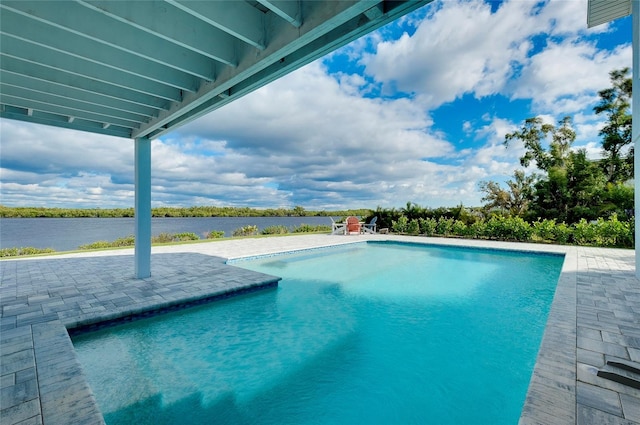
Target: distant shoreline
[{"x": 168, "y": 212}]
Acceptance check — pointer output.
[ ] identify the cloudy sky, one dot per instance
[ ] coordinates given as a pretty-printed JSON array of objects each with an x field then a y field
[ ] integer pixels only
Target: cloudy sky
[{"x": 416, "y": 111}]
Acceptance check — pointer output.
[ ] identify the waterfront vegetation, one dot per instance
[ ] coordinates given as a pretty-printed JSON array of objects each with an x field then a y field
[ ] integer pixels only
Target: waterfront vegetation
[
  {"x": 167, "y": 238},
  {"x": 29, "y": 250},
  {"x": 197, "y": 211}
]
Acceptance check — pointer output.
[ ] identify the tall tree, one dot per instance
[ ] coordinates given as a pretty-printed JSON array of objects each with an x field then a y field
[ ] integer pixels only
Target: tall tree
[
  {"x": 534, "y": 132},
  {"x": 412, "y": 210},
  {"x": 551, "y": 197},
  {"x": 586, "y": 184},
  {"x": 514, "y": 200},
  {"x": 615, "y": 103}
]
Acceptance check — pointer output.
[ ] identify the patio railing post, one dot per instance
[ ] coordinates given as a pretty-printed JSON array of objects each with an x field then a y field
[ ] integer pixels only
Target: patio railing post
[{"x": 143, "y": 207}]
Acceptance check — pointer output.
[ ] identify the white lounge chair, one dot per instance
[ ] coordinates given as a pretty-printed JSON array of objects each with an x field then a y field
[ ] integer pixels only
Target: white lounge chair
[
  {"x": 371, "y": 226},
  {"x": 338, "y": 228}
]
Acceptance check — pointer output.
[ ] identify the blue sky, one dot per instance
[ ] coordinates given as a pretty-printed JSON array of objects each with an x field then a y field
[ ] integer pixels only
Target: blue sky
[{"x": 416, "y": 111}]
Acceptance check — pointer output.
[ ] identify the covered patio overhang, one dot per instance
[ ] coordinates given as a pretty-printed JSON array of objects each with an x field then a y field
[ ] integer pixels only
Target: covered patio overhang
[{"x": 140, "y": 69}]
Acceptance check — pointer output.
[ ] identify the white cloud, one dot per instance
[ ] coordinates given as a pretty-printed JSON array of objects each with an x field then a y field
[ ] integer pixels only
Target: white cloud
[
  {"x": 565, "y": 77},
  {"x": 316, "y": 137},
  {"x": 462, "y": 47}
]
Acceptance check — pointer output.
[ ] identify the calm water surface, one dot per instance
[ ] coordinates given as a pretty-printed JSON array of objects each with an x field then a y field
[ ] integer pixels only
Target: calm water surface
[{"x": 65, "y": 234}]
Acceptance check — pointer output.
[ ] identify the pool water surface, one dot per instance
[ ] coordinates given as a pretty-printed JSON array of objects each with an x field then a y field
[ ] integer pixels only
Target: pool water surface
[{"x": 377, "y": 333}]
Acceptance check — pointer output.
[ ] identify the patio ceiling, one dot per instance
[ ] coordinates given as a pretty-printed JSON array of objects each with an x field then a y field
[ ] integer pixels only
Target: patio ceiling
[{"x": 138, "y": 69}]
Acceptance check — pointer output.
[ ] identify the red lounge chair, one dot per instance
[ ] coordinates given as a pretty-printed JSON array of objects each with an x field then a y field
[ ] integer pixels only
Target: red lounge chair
[{"x": 353, "y": 225}]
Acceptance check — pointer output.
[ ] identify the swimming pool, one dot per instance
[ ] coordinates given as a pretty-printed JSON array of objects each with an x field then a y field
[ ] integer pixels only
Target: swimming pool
[{"x": 370, "y": 333}]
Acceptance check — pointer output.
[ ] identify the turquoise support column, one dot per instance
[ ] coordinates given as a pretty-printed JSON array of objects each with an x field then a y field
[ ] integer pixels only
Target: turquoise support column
[
  {"x": 143, "y": 207},
  {"x": 635, "y": 124}
]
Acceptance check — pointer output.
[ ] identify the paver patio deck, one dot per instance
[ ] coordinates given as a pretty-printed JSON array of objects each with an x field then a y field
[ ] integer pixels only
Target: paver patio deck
[{"x": 594, "y": 318}]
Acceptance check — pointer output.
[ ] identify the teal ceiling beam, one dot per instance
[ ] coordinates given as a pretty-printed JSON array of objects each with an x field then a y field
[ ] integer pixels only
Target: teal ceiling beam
[
  {"x": 168, "y": 23},
  {"x": 42, "y": 72},
  {"x": 89, "y": 24},
  {"x": 236, "y": 18},
  {"x": 42, "y": 106},
  {"x": 31, "y": 31},
  {"x": 128, "y": 119},
  {"x": 63, "y": 121},
  {"x": 290, "y": 11},
  {"x": 43, "y": 86},
  {"x": 62, "y": 62}
]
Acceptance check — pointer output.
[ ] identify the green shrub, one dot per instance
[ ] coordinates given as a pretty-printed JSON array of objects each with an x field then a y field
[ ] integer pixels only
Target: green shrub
[
  {"x": 249, "y": 230},
  {"x": 400, "y": 226},
  {"x": 9, "y": 252},
  {"x": 427, "y": 226},
  {"x": 308, "y": 228},
  {"x": 125, "y": 241},
  {"x": 614, "y": 233},
  {"x": 444, "y": 226},
  {"x": 187, "y": 236},
  {"x": 562, "y": 233},
  {"x": 459, "y": 228},
  {"x": 275, "y": 230},
  {"x": 177, "y": 237},
  {"x": 29, "y": 250},
  {"x": 96, "y": 245},
  {"x": 413, "y": 228},
  {"x": 545, "y": 230},
  {"x": 585, "y": 233},
  {"x": 508, "y": 228},
  {"x": 162, "y": 238},
  {"x": 477, "y": 230},
  {"x": 215, "y": 234}
]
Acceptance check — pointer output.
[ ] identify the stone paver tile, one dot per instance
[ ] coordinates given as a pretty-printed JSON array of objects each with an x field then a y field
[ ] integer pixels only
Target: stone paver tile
[
  {"x": 555, "y": 406},
  {"x": 36, "y": 420},
  {"x": 7, "y": 380},
  {"x": 599, "y": 398},
  {"x": 17, "y": 345},
  {"x": 589, "y": 333},
  {"x": 603, "y": 347},
  {"x": 631, "y": 407},
  {"x": 589, "y": 416},
  {"x": 19, "y": 393},
  {"x": 25, "y": 375},
  {"x": 20, "y": 412},
  {"x": 15, "y": 362},
  {"x": 590, "y": 357}
]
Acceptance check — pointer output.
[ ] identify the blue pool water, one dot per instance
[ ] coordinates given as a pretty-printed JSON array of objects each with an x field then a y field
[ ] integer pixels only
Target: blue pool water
[{"x": 371, "y": 333}]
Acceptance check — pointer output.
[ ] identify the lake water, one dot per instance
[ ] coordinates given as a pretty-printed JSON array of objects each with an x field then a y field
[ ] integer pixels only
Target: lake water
[{"x": 65, "y": 234}]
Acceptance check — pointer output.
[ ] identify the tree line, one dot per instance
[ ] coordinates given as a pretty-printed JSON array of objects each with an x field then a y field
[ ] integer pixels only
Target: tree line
[{"x": 196, "y": 211}]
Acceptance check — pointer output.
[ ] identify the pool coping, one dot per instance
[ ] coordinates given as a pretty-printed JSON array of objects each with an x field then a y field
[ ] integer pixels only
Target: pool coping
[{"x": 594, "y": 317}]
